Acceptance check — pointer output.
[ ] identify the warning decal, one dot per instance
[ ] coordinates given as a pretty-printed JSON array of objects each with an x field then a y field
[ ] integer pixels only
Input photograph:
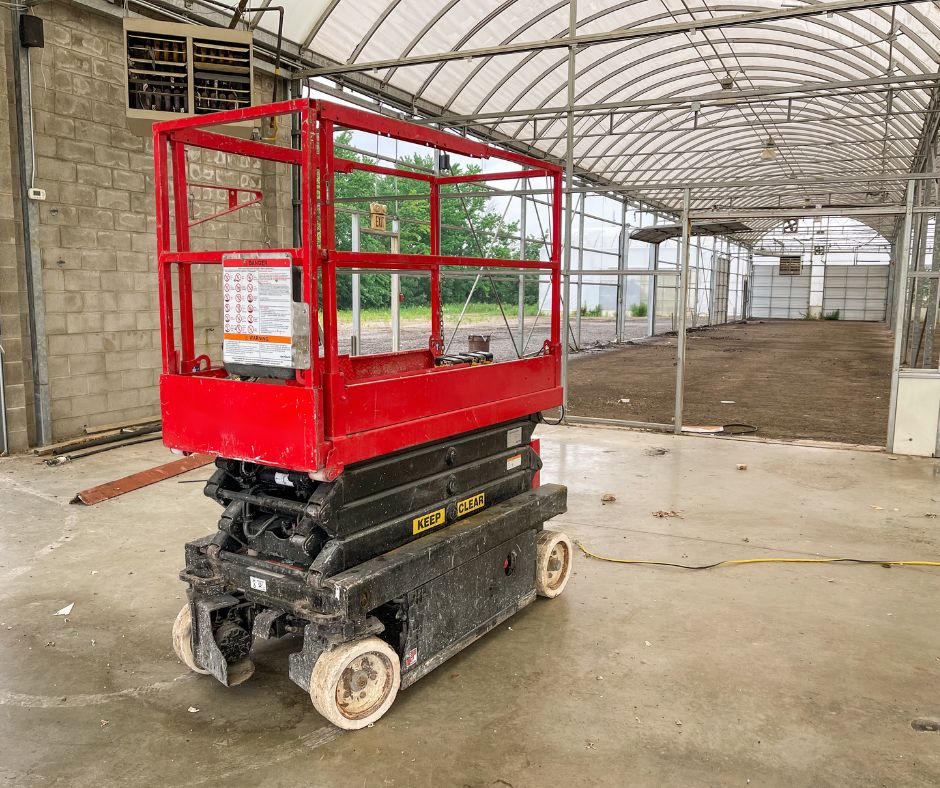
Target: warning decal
[
  {"x": 471, "y": 504},
  {"x": 257, "y": 305},
  {"x": 427, "y": 521}
]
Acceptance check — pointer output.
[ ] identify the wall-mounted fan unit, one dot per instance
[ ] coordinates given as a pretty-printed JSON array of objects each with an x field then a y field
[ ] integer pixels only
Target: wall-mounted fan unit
[{"x": 176, "y": 70}]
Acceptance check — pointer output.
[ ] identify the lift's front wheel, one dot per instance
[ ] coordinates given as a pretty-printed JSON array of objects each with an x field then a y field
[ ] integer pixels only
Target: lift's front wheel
[
  {"x": 356, "y": 683},
  {"x": 183, "y": 640},
  {"x": 552, "y": 563}
]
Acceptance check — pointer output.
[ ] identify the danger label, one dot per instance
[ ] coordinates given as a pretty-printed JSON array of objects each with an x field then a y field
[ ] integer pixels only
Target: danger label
[
  {"x": 257, "y": 310},
  {"x": 427, "y": 521},
  {"x": 471, "y": 504}
]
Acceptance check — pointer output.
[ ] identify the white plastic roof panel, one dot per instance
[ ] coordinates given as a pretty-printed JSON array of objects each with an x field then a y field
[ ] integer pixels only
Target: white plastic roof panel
[{"x": 853, "y": 131}]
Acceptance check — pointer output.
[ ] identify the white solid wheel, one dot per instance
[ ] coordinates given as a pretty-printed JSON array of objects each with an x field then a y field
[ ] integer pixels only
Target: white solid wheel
[
  {"x": 183, "y": 640},
  {"x": 553, "y": 556},
  {"x": 355, "y": 683}
]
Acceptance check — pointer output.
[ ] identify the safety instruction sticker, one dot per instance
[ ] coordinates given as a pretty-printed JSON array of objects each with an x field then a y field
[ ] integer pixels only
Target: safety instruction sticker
[
  {"x": 257, "y": 303},
  {"x": 513, "y": 462},
  {"x": 471, "y": 504},
  {"x": 427, "y": 521}
]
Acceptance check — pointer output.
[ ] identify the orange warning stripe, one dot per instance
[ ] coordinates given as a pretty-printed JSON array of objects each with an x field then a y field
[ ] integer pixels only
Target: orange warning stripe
[{"x": 258, "y": 338}]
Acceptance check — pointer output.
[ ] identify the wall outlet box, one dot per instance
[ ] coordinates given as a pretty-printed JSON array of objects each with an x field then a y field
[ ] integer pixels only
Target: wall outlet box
[{"x": 36, "y": 194}]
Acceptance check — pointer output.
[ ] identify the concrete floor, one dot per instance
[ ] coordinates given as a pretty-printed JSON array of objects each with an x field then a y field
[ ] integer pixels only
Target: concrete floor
[{"x": 766, "y": 674}]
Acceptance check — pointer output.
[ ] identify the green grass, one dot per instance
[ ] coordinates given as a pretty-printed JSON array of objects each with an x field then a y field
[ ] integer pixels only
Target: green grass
[
  {"x": 638, "y": 310},
  {"x": 832, "y": 315},
  {"x": 451, "y": 311}
]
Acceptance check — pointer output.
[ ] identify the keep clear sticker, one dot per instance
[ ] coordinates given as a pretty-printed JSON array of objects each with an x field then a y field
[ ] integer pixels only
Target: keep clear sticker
[{"x": 257, "y": 304}]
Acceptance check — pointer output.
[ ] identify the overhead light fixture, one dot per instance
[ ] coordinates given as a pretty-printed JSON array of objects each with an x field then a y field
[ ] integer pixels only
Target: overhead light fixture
[
  {"x": 726, "y": 82},
  {"x": 769, "y": 153}
]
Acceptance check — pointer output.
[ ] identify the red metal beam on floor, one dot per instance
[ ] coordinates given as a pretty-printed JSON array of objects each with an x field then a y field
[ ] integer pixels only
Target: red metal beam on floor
[{"x": 135, "y": 481}]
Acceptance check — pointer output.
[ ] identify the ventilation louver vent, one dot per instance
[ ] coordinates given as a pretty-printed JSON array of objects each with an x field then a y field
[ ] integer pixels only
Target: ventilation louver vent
[
  {"x": 221, "y": 76},
  {"x": 157, "y": 74},
  {"x": 177, "y": 70},
  {"x": 791, "y": 266}
]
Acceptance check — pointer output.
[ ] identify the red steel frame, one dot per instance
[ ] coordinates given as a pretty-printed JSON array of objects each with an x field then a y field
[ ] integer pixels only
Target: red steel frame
[{"x": 342, "y": 409}]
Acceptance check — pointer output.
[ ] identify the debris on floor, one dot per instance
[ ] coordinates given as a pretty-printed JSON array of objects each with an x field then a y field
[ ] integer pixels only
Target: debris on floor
[
  {"x": 608, "y": 498},
  {"x": 65, "y": 610},
  {"x": 664, "y": 513},
  {"x": 102, "y": 437},
  {"x": 742, "y": 467},
  {"x": 655, "y": 451},
  {"x": 135, "y": 481}
]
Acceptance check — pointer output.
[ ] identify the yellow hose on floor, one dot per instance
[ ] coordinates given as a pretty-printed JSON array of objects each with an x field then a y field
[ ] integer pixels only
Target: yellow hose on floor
[{"x": 738, "y": 561}]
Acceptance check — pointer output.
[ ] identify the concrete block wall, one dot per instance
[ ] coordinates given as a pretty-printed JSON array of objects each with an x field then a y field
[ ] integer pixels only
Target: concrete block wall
[
  {"x": 14, "y": 323},
  {"x": 97, "y": 231}
]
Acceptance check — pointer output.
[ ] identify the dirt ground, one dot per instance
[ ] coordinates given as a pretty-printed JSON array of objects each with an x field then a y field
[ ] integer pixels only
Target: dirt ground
[{"x": 793, "y": 379}]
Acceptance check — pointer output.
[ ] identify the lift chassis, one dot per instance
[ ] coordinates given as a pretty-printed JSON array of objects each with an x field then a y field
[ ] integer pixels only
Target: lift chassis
[{"x": 385, "y": 509}]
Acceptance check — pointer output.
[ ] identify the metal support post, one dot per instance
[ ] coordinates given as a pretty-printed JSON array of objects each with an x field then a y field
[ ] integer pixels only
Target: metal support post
[
  {"x": 903, "y": 245},
  {"x": 296, "y": 91},
  {"x": 652, "y": 294},
  {"x": 892, "y": 284},
  {"x": 522, "y": 256},
  {"x": 925, "y": 339},
  {"x": 569, "y": 185},
  {"x": 621, "y": 279},
  {"x": 577, "y": 331},
  {"x": 933, "y": 290},
  {"x": 42, "y": 408},
  {"x": 356, "y": 336},
  {"x": 917, "y": 262},
  {"x": 396, "y": 294},
  {"x": 683, "y": 311},
  {"x": 3, "y": 410}
]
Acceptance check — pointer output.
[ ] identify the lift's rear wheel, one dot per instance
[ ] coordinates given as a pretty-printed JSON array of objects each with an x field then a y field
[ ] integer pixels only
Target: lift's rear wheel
[
  {"x": 552, "y": 563},
  {"x": 183, "y": 640},
  {"x": 356, "y": 683}
]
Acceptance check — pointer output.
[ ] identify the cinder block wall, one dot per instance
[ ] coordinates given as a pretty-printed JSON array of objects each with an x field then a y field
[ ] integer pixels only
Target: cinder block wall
[
  {"x": 14, "y": 321},
  {"x": 97, "y": 232}
]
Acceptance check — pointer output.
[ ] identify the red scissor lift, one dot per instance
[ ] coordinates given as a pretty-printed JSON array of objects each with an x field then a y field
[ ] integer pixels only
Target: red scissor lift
[{"x": 386, "y": 507}]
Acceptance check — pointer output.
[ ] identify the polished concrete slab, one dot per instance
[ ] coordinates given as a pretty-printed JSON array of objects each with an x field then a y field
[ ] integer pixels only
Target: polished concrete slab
[{"x": 766, "y": 674}]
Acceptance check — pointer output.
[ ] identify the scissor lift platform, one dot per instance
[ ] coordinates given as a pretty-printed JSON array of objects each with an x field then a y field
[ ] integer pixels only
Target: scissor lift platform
[{"x": 384, "y": 508}]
